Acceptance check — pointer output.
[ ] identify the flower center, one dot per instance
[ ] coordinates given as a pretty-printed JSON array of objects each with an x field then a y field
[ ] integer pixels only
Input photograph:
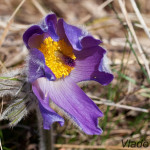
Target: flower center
[{"x": 59, "y": 57}]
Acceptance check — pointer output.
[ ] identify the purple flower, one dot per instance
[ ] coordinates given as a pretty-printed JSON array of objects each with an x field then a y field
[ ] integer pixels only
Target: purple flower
[{"x": 60, "y": 55}]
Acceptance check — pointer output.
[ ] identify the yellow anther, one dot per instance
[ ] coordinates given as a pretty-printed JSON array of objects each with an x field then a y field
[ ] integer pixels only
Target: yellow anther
[{"x": 54, "y": 52}]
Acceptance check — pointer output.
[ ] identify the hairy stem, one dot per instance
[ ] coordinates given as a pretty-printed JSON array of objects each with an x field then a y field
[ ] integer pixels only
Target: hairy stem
[{"x": 45, "y": 136}]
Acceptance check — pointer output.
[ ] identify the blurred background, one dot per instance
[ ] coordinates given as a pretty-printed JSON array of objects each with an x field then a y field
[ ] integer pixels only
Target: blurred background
[{"x": 123, "y": 26}]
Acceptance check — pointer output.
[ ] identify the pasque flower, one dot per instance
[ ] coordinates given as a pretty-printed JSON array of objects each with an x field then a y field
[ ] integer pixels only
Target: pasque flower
[{"x": 60, "y": 55}]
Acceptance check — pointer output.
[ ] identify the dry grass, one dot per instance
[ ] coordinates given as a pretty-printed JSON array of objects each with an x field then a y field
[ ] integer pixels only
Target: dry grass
[{"x": 124, "y": 27}]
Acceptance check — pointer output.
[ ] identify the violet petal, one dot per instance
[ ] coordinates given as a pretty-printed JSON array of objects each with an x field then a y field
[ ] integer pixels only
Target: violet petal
[
  {"x": 39, "y": 88},
  {"x": 51, "y": 22},
  {"x": 37, "y": 67},
  {"x": 75, "y": 36},
  {"x": 90, "y": 66},
  {"x": 29, "y": 32},
  {"x": 89, "y": 41},
  {"x": 36, "y": 40},
  {"x": 82, "y": 110}
]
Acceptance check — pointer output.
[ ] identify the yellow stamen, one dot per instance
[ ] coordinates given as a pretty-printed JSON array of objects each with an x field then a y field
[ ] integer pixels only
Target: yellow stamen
[{"x": 54, "y": 52}]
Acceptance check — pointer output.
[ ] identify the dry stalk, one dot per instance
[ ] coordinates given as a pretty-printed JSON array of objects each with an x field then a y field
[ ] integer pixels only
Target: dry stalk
[
  {"x": 104, "y": 4},
  {"x": 69, "y": 146},
  {"x": 122, "y": 106},
  {"x": 39, "y": 7},
  {"x": 99, "y": 8},
  {"x": 140, "y": 26},
  {"x": 10, "y": 21},
  {"x": 14, "y": 27},
  {"x": 124, "y": 11},
  {"x": 140, "y": 18},
  {"x": 110, "y": 103}
]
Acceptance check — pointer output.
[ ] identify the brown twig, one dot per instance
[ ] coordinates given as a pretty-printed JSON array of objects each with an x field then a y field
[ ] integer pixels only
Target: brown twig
[
  {"x": 94, "y": 147},
  {"x": 10, "y": 21},
  {"x": 110, "y": 103},
  {"x": 124, "y": 11},
  {"x": 140, "y": 17},
  {"x": 39, "y": 7}
]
